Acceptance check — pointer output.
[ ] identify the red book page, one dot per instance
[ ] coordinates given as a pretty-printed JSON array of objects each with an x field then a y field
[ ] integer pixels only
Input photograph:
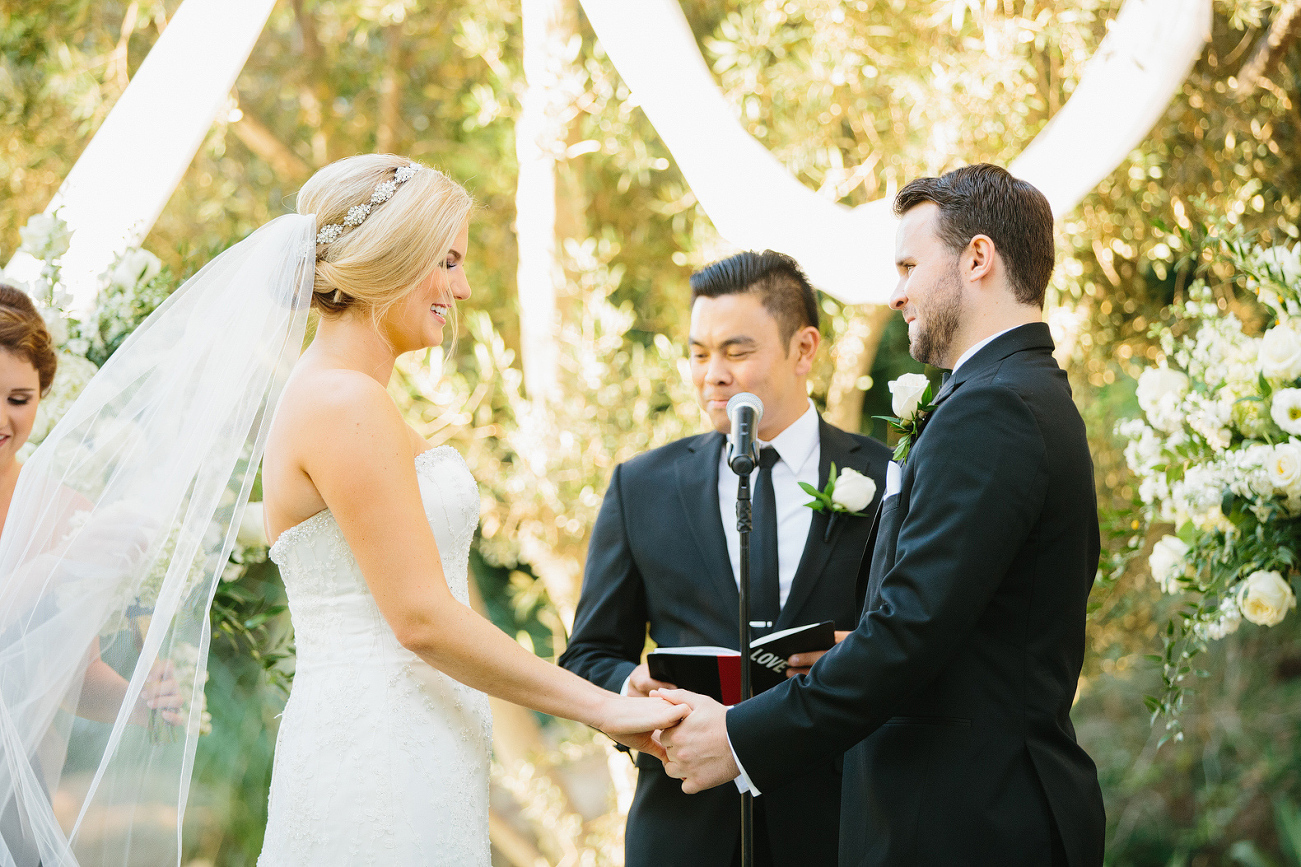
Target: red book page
[{"x": 729, "y": 679}]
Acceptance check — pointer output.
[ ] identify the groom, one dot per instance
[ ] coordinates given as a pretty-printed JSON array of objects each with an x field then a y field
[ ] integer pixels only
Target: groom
[
  {"x": 664, "y": 555},
  {"x": 953, "y": 694}
]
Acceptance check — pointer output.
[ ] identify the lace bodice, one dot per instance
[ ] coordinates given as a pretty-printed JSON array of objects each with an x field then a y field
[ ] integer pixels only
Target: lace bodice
[
  {"x": 380, "y": 759},
  {"x": 321, "y": 576}
]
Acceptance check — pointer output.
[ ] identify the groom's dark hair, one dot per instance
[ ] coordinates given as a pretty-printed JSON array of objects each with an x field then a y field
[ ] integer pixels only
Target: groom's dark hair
[
  {"x": 984, "y": 199},
  {"x": 776, "y": 278}
]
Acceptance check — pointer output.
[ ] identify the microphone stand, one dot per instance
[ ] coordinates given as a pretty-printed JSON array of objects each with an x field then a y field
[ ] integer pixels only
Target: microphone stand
[{"x": 743, "y": 525}]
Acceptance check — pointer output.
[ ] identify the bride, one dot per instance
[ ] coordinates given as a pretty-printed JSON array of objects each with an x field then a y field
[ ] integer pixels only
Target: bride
[
  {"x": 124, "y": 518},
  {"x": 383, "y": 749}
]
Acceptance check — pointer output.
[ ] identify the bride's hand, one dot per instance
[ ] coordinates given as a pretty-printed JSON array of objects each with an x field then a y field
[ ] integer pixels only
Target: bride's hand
[{"x": 633, "y": 721}]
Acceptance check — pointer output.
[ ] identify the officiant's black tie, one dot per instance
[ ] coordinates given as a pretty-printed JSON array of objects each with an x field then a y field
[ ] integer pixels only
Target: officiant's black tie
[{"x": 765, "y": 592}]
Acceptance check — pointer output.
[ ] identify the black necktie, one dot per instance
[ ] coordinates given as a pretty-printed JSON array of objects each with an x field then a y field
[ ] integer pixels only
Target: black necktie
[{"x": 765, "y": 593}]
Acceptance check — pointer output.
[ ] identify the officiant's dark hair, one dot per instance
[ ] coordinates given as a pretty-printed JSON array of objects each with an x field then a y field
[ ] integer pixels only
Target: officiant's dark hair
[
  {"x": 985, "y": 199},
  {"x": 776, "y": 278}
]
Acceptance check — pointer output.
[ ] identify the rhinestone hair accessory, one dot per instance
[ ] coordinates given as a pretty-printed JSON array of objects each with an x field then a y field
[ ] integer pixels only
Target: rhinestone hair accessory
[{"x": 358, "y": 213}]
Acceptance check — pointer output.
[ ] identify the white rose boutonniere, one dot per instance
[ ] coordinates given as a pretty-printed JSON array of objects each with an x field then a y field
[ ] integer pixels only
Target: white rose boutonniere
[
  {"x": 848, "y": 493},
  {"x": 911, "y": 401},
  {"x": 1266, "y": 598}
]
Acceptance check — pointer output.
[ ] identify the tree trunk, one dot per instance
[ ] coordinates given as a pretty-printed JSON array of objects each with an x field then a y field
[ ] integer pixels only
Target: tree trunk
[
  {"x": 852, "y": 358},
  {"x": 539, "y": 139}
]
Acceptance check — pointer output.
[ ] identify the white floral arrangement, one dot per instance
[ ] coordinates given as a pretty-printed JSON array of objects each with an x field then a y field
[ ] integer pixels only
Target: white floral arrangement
[{"x": 1217, "y": 458}]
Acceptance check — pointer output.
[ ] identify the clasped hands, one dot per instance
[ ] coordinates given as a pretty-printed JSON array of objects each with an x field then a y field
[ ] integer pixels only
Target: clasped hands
[{"x": 696, "y": 750}]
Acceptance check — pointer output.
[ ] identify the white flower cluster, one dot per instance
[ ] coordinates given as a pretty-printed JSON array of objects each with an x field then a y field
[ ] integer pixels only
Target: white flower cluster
[{"x": 1221, "y": 430}]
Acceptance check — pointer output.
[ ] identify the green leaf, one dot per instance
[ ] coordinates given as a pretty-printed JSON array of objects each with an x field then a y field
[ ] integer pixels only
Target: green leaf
[{"x": 1265, "y": 387}]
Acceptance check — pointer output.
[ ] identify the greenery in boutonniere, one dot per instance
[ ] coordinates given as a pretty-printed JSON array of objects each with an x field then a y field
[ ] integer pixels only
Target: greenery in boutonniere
[
  {"x": 848, "y": 493},
  {"x": 911, "y": 401}
]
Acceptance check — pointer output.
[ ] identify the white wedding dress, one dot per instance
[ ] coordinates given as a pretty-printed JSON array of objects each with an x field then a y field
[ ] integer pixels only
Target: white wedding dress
[{"x": 381, "y": 759}]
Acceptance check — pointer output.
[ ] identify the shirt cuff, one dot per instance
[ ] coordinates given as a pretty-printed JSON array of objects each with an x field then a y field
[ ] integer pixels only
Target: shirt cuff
[
  {"x": 627, "y": 681},
  {"x": 743, "y": 784}
]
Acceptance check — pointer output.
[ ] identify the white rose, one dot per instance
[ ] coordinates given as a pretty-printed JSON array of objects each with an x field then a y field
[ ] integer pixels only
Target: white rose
[
  {"x": 1285, "y": 408},
  {"x": 1284, "y": 468},
  {"x": 853, "y": 490},
  {"x": 45, "y": 236},
  {"x": 1265, "y": 598},
  {"x": 252, "y": 531},
  {"x": 906, "y": 393},
  {"x": 136, "y": 267},
  {"x": 1280, "y": 353},
  {"x": 1167, "y": 562}
]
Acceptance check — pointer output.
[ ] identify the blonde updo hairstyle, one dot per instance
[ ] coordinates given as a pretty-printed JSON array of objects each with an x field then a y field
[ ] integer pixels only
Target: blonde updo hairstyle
[{"x": 371, "y": 267}]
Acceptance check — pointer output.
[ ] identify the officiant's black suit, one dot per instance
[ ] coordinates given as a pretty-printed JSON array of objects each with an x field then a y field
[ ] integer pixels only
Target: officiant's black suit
[
  {"x": 953, "y": 695},
  {"x": 658, "y": 557}
]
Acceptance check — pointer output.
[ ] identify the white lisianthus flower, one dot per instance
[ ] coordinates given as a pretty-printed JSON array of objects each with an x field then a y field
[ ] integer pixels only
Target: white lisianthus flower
[
  {"x": 1285, "y": 409},
  {"x": 1265, "y": 598},
  {"x": 134, "y": 268},
  {"x": 45, "y": 236},
  {"x": 1280, "y": 353},
  {"x": 854, "y": 491},
  {"x": 1167, "y": 563},
  {"x": 1160, "y": 390},
  {"x": 55, "y": 324},
  {"x": 906, "y": 394},
  {"x": 1283, "y": 262},
  {"x": 252, "y": 531}
]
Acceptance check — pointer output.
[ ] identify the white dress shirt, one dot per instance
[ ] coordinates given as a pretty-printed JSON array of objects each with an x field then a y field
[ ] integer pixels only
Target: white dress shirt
[{"x": 799, "y": 448}]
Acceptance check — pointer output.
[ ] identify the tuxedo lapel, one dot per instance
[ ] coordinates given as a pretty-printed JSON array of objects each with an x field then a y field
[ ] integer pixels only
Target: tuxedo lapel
[
  {"x": 835, "y": 446},
  {"x": 698, "y": 489}
]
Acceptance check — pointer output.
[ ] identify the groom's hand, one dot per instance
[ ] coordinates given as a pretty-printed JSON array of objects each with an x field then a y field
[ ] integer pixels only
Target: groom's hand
[{"x": 696, "y": 748}]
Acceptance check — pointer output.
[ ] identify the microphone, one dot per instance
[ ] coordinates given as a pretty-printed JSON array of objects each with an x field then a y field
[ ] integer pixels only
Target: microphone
[{"x": 744, "y": 411}]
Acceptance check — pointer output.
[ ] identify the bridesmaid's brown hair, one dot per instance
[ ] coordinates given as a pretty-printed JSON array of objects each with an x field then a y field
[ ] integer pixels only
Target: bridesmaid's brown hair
[{"x": 23, "y": 333}]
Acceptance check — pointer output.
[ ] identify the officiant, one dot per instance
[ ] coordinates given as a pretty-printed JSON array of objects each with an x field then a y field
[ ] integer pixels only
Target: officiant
[{"x": 665, "y": 554}]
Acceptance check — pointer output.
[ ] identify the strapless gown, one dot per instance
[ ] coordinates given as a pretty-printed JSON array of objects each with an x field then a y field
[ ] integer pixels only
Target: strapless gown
[{"x": 381, "y": 759}]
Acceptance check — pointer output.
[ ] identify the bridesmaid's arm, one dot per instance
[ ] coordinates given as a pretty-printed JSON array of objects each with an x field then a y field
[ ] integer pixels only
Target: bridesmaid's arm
[{"x": 356, "y": 449}]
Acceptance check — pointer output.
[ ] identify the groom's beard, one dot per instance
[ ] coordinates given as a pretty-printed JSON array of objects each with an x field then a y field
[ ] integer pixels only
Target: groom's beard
[{"x": 939, "y": 324}]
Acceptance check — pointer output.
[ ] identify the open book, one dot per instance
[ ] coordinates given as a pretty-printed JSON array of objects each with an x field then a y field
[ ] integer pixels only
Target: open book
[{"x": 716, "y": 671}]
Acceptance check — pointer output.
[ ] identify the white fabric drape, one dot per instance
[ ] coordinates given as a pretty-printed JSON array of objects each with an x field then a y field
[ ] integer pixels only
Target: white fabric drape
[
  {"x": 123, "y": 179},
  {"x": 754, "y": 202}
]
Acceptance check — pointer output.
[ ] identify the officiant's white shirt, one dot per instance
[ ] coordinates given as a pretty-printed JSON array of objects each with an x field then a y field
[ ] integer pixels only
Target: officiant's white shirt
[{"x": 799, "y": 449}]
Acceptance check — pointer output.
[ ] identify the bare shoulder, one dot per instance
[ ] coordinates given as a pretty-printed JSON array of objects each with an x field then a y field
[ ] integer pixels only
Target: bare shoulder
[
  {"x": 335, "y": 431},
  {"x": 333, "y": 413}
]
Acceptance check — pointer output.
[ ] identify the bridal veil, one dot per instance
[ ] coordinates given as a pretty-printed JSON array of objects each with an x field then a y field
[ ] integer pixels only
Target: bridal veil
[{"x": 119, "y": 530}]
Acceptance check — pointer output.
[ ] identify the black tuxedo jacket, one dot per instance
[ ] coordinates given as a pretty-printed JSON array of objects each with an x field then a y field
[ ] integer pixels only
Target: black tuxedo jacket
[
  {"x": 658, "y": 558},
  {"x": 953, "y": 695}
]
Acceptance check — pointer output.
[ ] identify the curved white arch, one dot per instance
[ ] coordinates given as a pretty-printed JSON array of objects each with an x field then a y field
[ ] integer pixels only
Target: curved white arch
[
  {"x": 124, "y": 177},
  {"x": 754, "y": 202}
]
